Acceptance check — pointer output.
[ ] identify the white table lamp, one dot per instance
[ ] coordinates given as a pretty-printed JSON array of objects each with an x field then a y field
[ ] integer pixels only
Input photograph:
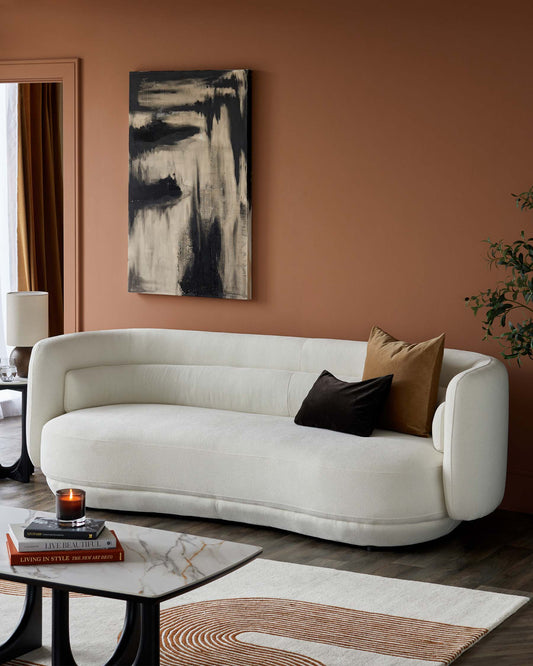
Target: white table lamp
[{"x": 27, "y": 323}]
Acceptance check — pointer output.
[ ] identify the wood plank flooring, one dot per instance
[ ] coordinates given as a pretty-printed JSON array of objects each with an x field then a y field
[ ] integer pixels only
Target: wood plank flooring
[{"x": 494, "y": 553}]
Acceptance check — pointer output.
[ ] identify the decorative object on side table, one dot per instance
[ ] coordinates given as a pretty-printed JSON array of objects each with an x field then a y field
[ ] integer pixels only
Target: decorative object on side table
[
  {"x": 8, "y": 371},
  {"x": 514, "y": 294},
  {"x": 27, "y": 323}
]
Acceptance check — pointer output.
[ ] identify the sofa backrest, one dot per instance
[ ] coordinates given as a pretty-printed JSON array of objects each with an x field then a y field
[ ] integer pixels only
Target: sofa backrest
[
  {"x": 255, "y": 373},
  {"x": 251, "y": 373}
]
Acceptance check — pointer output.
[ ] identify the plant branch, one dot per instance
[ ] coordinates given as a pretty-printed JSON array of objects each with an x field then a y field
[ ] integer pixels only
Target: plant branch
[{"x": 514, "y": 293}]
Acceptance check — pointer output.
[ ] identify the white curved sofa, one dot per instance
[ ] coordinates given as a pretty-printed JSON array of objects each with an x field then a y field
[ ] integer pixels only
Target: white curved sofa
[{"x": 202, "y": 424}]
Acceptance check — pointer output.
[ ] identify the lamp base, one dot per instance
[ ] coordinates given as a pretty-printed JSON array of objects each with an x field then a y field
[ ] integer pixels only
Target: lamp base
[{"x": 20, "y": 358}]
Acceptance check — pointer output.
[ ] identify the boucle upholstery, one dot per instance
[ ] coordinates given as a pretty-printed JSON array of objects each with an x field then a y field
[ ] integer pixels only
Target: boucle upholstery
[{"x": 201, "y": 424}]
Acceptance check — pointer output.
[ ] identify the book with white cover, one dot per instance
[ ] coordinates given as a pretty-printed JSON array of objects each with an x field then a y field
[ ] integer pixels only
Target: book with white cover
[{"x": 29, "y": 545}]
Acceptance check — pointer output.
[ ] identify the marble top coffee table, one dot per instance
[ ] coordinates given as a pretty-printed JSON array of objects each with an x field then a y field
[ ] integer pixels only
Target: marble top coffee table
[{"x": 158, "y": 565}]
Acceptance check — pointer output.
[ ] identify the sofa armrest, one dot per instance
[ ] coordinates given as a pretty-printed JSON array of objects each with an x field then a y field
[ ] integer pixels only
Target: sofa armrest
[
  {"x": 52, "y": 358},
  {"x": 476, "y": 417}
]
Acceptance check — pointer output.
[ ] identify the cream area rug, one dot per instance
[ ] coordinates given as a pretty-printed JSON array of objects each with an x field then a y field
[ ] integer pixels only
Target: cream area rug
[{"x": 277, "y": 614}]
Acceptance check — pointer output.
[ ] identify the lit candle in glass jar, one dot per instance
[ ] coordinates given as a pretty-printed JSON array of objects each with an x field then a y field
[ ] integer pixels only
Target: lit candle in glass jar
[{"x": 70, "y": 507}]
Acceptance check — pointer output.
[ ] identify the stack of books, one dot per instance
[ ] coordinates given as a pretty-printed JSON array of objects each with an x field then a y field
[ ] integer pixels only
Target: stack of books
[{"x": 43, "y": 541}]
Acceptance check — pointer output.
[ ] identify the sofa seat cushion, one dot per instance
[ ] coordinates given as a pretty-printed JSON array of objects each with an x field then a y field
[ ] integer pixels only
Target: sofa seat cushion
[{"x": 248, "y": 459}]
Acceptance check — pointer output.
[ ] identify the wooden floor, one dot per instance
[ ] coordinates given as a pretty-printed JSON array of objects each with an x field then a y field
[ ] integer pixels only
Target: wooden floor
[{"x": 494, "y": 553}]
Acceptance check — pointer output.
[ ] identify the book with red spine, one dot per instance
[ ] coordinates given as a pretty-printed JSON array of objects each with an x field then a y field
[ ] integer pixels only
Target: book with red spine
[{"x": 37, "y": 558}]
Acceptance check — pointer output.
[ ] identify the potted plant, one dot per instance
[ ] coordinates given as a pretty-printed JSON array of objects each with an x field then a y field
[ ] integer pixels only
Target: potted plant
[{"x": 508, "y": 307}]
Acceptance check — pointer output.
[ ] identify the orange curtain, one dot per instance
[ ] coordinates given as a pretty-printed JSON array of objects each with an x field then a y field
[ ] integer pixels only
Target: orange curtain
[{"x": 40, "y": 217}]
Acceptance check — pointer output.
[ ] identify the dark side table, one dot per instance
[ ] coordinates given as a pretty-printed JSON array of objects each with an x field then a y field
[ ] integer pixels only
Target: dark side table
[{"x": 23, "y": 468}]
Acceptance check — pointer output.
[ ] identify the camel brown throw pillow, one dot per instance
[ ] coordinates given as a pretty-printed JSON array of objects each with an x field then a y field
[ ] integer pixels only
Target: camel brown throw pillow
[{"x": 416, "y": 369}]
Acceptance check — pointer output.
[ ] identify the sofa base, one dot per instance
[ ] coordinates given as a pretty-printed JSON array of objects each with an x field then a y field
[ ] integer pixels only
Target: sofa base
[{"x": 357, "y": 533}]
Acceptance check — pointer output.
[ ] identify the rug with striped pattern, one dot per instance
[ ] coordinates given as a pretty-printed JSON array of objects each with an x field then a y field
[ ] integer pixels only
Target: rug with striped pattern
[{"x": 278, "y": 614}]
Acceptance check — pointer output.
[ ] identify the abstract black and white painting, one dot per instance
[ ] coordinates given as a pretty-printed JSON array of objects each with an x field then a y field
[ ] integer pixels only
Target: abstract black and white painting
[{"x": 189, "y": 184}]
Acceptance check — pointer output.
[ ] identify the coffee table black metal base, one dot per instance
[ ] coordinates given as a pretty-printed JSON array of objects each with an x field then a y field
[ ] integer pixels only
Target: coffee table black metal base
[
  {"x": 23, "y": 468},
  {"x": 138, "y": 645},
  {"x": 29, "y": 633}
]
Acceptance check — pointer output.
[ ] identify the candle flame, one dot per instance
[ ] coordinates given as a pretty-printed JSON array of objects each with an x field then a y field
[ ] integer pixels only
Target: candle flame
[{"x": 71, "y": 496}]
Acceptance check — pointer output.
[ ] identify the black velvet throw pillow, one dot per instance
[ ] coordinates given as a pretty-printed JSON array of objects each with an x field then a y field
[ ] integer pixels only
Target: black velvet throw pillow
[{"x": 344, "y": 406}]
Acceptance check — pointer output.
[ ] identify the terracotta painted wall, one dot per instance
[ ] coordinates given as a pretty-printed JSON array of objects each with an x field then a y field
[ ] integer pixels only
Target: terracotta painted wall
[{"x": 387, "y": 138}]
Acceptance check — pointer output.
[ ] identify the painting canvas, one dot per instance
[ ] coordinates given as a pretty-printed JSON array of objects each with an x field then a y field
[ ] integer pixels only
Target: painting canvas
[{"x": 189, "y": 184}]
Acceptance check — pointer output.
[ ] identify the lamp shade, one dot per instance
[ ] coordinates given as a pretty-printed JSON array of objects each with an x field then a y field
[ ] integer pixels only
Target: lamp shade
[{"x": 27, "y": 317}]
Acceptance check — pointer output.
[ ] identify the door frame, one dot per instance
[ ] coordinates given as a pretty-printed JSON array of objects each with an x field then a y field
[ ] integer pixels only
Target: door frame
[{"x": 65, "y": 71}]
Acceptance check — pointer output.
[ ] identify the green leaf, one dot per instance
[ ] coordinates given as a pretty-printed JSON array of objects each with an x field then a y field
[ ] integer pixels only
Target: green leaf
[{"x": 514, "y": 292}]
